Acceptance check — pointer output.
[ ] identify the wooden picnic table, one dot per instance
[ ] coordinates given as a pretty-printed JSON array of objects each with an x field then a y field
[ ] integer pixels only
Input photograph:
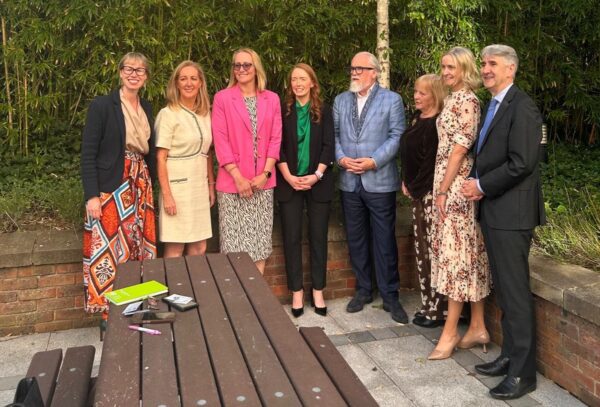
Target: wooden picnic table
[{"x": 239, "y": 347}]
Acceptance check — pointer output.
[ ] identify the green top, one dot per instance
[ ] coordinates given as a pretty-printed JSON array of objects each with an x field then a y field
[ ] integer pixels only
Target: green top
[{"x": 303, "y": 130}]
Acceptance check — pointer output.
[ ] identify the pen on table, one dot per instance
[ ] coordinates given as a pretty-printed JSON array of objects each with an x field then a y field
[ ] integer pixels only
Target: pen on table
[{"x": 145, "y": 330}]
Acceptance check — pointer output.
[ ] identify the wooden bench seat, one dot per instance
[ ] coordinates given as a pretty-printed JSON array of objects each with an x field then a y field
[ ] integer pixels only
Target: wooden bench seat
[{"x": 68, "y": 385}]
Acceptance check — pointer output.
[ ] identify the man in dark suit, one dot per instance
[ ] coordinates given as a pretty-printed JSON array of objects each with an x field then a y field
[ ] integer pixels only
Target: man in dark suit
[
  {"x": 506, "y": 182},
  {"x": 368, "y": 122}
]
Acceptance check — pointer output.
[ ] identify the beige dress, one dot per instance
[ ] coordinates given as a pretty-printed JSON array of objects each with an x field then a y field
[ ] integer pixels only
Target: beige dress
[
  {"x": 188, "y": 137},
  {"x": 459, "y": 264}
]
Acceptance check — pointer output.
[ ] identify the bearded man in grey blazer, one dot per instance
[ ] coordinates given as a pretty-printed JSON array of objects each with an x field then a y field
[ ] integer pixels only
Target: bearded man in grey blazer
[
  {"x": 369, "y": 121},
  {"x": 506, "y": 183}
]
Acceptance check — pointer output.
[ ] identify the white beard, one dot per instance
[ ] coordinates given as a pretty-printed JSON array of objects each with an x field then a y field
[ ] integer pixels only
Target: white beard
[{"x": 355, "y": 86}]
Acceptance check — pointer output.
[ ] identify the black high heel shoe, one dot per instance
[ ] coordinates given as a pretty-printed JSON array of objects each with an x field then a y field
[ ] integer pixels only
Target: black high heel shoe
[
  {"x": 296, "y": 312},
  {"x": 318, "y": 310}
]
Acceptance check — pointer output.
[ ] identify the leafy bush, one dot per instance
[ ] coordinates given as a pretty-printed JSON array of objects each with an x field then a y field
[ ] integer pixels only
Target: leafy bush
[{"x": 571, "y": 183}]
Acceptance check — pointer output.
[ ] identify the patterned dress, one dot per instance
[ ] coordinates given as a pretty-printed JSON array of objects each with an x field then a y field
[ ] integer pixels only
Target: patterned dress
[
  {"x": 459, "y": 264},
  {"x": 246, "y": 224}
]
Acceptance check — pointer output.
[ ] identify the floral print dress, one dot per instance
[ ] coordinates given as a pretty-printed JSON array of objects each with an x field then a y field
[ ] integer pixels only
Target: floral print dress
[{"x": 459, "y": 264}]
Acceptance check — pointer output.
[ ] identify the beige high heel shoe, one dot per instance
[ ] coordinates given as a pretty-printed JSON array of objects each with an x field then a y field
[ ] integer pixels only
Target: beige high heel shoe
[
  {"x": 482, "y": 339},
  {"x": 440, "y": 354}
]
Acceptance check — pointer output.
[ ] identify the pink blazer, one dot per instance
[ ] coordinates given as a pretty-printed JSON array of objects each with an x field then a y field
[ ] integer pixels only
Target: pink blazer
[{"x": 232, "y": 135}]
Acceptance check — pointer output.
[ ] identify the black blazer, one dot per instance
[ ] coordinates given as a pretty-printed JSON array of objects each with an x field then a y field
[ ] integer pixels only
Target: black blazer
[
  {"x": 321, "y": 151},
  {"x": 103, "y": 145},
  {"x": 508, "y": 165}
]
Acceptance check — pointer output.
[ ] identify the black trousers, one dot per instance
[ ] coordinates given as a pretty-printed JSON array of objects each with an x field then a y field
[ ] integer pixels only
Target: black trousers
[
  {"x": 292, "y": 220},
  {"x": 508, "y": 253}
]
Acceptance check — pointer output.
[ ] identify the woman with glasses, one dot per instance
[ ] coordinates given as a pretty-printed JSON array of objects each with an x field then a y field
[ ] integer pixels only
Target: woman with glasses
[
  {"x": 459, "y": 265},
  {"x": 305, "y": 178},
  {"x": 246, "y": 124},
  {"x": 184, "y": 163},
  {"x": 117, "y": 165}
]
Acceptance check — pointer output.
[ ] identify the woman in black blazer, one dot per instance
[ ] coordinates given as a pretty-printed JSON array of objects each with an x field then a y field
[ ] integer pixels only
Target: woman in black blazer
[
  {"x": 306, "y": 160},
  {"x": 117, "y": 160}
]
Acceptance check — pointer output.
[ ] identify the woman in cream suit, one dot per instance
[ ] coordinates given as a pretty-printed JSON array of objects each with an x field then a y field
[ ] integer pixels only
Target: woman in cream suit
[{"x": 184, "y": 163}]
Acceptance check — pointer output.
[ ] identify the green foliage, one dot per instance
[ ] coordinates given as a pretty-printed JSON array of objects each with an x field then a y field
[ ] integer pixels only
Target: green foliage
[{"x": 571, "y": 183}]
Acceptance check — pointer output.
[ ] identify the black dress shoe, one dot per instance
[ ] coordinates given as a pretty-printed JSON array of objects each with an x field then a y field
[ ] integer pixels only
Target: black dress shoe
[
  {"x": 427, "y": 323},
  {"x": 498, "y": 367},
  {"x": 513, "y": 387},
  {"x": 296, "y": 312},
  {"x": 358, "y": 303},
  {"x": 398, "y": 313}
]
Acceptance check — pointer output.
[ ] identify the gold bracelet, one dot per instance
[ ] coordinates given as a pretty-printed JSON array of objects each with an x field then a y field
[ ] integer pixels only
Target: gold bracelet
[{"x": 442, "y": 193}]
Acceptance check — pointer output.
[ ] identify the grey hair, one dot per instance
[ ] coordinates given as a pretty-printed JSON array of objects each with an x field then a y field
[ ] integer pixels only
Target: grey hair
[
  {"x": 373, "y": 60},
  {"x": 504, "y": 51}
]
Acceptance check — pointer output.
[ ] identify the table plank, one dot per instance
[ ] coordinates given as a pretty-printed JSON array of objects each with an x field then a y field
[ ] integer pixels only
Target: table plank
[
  {"x": 196, "y": 380},
  {"x": 352, "y": 389},
  {"x": 312, "y": 384},
  {"x": 233, "y": 379},
  {"x": 271, "y": 380},
  {"x": 159, "y": 373},
  {"x": 118, "y": 381}
]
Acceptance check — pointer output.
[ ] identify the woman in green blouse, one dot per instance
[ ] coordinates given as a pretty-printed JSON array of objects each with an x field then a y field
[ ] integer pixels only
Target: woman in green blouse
[{"x": 305, "y": 179}]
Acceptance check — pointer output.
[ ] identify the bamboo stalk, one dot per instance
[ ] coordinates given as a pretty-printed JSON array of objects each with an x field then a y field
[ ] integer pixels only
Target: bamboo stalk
[
  {"x": 25, "y": 112},
  {"x": 18, "y": 104},
  {"x": 6, "y": 78}
]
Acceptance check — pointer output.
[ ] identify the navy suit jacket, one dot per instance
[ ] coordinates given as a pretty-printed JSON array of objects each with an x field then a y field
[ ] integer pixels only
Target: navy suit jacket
[
  {"x": 508, "y": 165},
  {"x": 379, "y": 137}
]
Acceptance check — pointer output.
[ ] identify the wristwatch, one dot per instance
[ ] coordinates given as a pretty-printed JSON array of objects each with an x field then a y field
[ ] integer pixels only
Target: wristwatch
[
  {"x": 267, "y": 173},
  {"x": 319, "y": 175}
]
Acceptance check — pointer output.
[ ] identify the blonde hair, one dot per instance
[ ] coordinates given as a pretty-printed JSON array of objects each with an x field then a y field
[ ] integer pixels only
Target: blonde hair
[
  {"x": 434, "y": 83},
  {"x": 136, "y": 56},
  {"x": 261, "y": 76},
  {"x": 202, "y": 102},
  {"x": 466, "y": 61}
]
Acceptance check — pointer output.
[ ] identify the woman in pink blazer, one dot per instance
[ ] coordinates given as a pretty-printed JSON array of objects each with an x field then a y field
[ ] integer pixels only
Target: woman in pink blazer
[{"x": 246, "y": 126}]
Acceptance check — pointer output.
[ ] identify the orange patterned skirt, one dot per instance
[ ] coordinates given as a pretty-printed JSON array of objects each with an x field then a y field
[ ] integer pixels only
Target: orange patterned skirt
[{"x": 126, "y": 231}]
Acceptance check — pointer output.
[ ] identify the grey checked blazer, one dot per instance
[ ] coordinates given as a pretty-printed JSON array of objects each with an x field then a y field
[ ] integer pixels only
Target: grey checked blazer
[{"x": 375, "y": 134}]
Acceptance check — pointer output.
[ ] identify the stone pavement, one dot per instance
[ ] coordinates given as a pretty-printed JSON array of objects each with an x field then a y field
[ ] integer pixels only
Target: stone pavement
[{"x": 389, "y": 358}]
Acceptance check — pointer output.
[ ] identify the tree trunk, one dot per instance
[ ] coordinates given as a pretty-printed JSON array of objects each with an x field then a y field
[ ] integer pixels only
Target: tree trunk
[{"x": 383, "y": 43}]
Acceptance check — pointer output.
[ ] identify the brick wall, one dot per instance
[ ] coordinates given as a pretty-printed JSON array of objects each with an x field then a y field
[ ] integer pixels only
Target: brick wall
[
  {"x": 568, "y": 348},
  {"x": 42, "y": 298}
]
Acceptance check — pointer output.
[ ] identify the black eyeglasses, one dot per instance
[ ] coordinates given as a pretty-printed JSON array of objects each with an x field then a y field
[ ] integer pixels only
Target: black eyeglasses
[
  {"x": 358, "y": 69},
  {"x": 128, "y": 70},
  {"x": 245, "y": 65}
]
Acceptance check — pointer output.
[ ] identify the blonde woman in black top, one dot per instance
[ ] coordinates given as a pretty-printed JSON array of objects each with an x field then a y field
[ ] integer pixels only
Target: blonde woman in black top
[{"x": 418, "y": 148}]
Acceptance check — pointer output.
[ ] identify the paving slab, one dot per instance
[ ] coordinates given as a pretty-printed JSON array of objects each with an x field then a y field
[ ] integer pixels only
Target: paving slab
[
  {"x": 310, "y": 318},
  {"x": 16, "y": 352},
  {"x": 371, "y": 317},
  {"x": 6, "y": 397},
  {"x": 466, "y": 358},
  {"x": 549, "y": 393},
  {"x": 405, "y": 330},
  {"x": 372, "y": 376},
  {"x": 525, "y": 401},
  {"x": 427, "y": 383},
  {"x": 391, "y": 396},
  {"x": 77, "y": 337},
  {"x": 383, "y": 333},
  {"x": 360, "y": 337}
]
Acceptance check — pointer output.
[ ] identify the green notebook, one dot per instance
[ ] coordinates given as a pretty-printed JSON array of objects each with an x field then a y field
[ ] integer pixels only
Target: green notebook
[{"x": 136, "y": 292}]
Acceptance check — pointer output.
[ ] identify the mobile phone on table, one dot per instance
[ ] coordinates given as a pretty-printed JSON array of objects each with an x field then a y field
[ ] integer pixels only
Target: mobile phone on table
[
  {"x": 179, "y": 306},
  {"x": 152, "y": 317}
]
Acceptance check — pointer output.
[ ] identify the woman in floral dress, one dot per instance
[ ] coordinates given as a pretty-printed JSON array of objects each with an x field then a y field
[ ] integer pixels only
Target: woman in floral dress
[{"x": 459, "y": 266}]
